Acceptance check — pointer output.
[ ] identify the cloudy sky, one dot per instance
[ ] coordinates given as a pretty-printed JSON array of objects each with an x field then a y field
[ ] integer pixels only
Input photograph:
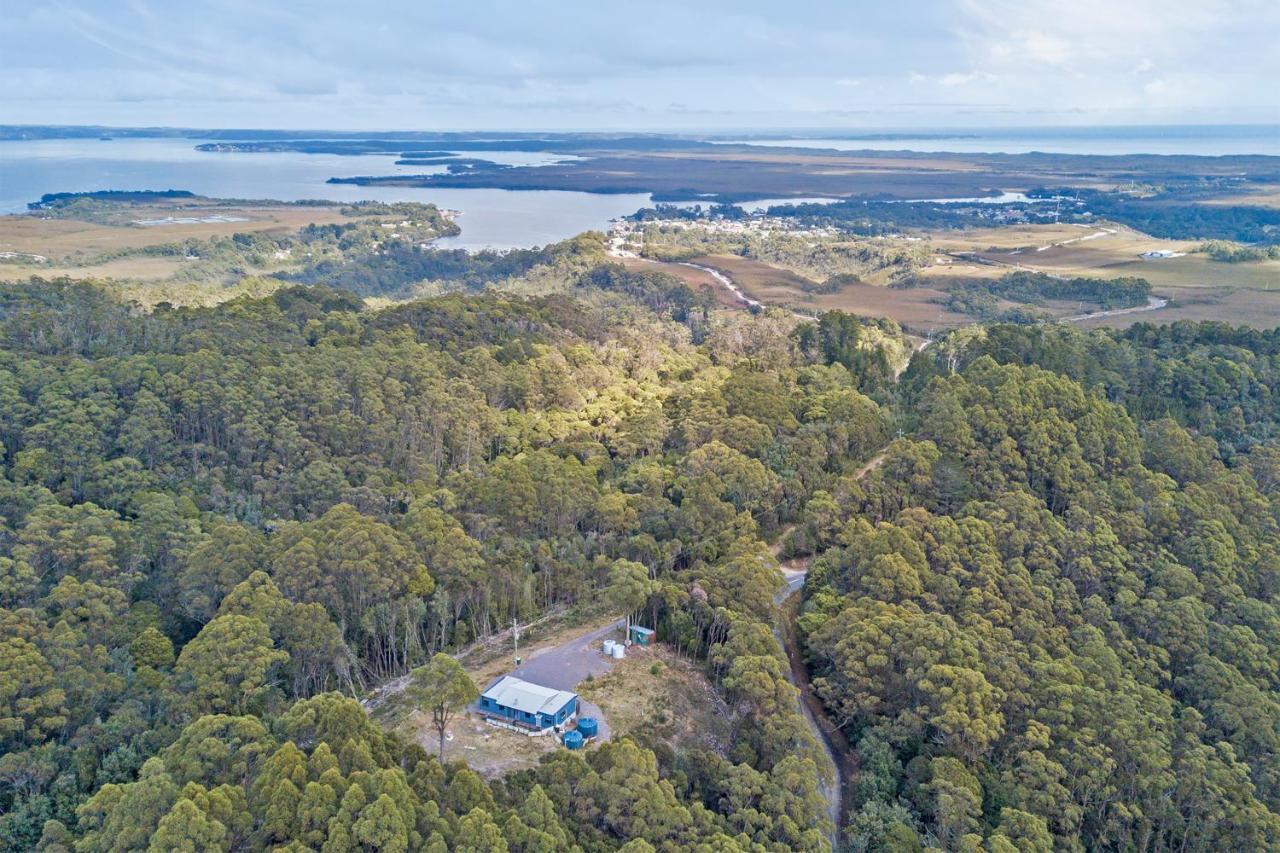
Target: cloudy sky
[{"x": 638, "y": 64}]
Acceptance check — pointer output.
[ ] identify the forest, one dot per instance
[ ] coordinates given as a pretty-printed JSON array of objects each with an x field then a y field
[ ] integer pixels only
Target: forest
[
  {"x": 221, "y": 524},
  {"x": 1169, "y": 215},
  {"x": 1045, "y": 620},
  {"x": 1050, "y": 613},
  {"x": 981, "y": 297}
]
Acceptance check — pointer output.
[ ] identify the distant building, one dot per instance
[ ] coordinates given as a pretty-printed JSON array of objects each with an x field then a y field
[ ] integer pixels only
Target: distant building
[
  {"x": 526, "y": 706},
  {"x": 1160, "y": 255}
]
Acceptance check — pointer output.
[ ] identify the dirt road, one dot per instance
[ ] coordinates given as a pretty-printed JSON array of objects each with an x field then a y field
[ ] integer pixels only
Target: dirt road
[
  {"x": 1154, "y": 303},
  {"x": 827, "y": 734}
]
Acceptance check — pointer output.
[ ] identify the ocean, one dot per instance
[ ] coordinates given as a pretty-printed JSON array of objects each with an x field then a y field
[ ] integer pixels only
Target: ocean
[{"x": 499, "y": 219}]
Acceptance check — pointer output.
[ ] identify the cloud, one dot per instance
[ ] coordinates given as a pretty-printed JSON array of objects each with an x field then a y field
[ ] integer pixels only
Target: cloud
[
  {"x": 1093, "y": 56},
  {"x": 956, "y": 78},
  {"x": 1042, "y": 47},
  {"x": 498, "y": 63}
]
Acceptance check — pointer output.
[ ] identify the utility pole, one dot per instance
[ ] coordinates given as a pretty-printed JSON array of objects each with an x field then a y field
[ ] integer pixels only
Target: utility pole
[{"x": 515, "y": 634}]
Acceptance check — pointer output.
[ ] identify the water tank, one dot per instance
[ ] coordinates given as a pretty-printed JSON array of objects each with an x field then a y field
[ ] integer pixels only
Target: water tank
[
  {"x": 587, "y": 726},
  {"x": 608, "y": 647},
  {"x": 619, "y": 651},
  {"x": 573, "y": 740}
]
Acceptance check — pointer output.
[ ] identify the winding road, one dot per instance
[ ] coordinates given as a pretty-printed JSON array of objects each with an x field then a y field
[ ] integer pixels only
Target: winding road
[
  {"x": 824, "y": 731},
  {"x": 1154, "y": 303},
  {"x": 727, "y": 283},
  {"x": 832, "y": 789},
  {"x": 722, "y": 278}
]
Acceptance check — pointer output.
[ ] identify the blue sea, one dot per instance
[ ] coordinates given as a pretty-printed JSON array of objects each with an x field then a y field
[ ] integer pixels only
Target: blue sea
[
  {"x": 492, "y": 218},
  {"x": 1208, "y": 140}
]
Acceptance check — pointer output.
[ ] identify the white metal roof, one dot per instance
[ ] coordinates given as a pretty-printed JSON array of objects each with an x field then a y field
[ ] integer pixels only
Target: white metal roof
[{"x": 511, "y": 692}]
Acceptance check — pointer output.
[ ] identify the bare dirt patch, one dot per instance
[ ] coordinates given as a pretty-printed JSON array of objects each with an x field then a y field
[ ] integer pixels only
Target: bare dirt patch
[
  {"x": 913, "y": 307},
  {"x": 654, "y": 696},
  {"x": 489, "y": 750}
]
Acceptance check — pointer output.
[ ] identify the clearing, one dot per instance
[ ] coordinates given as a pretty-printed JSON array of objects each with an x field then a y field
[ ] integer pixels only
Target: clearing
[
  {"x": 657, "y": 697},
  {"x": 1196, "y": 287},
  {"x": 71, "y": 243},
  {"x": 912, "y": 306},
  {"x": 562, "y": 652}
]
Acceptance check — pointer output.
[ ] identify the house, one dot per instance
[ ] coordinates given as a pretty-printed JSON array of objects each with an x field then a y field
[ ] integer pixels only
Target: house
[{"x": 526, "y": 706}]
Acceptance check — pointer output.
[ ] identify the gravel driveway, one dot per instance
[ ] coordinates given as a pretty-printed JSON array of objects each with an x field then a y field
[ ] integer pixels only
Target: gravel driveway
[{"x": 565, "y": 666}]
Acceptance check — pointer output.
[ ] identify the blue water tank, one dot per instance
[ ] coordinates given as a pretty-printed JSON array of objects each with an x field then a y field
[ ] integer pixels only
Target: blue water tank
[
  {"x": 587, "y": 726},
  {"x": 573, "y": 740}
]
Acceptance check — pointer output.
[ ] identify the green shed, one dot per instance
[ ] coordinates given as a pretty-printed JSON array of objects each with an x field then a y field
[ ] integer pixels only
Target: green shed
[{"x": 641, "y": 636}]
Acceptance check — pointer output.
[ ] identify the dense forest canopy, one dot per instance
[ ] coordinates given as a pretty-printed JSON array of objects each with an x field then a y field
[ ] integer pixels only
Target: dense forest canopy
[
  {"x": 1050, "y": 614},
  {"x": 216, "y": 521},
  {"x": 1041, "y": 604}
]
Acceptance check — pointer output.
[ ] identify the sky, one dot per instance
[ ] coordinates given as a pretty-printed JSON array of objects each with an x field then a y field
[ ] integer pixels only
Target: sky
[{"x": 651, "y": 65}]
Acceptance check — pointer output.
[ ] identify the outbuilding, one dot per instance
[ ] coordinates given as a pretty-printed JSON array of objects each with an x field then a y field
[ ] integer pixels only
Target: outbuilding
[
  {"x": 530, "y": 707},
  {"x": 641, "y": 636}
]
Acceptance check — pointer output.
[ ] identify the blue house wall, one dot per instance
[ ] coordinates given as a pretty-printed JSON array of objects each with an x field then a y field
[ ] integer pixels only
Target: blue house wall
[{"x": 524, "y": 718}]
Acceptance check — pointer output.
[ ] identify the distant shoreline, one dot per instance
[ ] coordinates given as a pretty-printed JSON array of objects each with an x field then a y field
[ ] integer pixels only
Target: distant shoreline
[{"x": 1247, "y": 139}]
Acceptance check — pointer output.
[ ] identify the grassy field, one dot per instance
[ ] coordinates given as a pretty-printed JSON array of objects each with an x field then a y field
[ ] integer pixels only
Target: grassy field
[
  {"x": 67, "y": 243},
  {"x": 1102, "y": 251},
  {"x": 139, "y": 268},
  {"x": 1237, "y": 306},
  {"x": 1197, "y": 287},
  {"x": 699, "y": 280},
  {"x": 913, "y": 307},
  {"x": 108, "y": 249},
  {"x": 1261, "y": 194},
  {"x": 656, "y": 697},
  {"x": 175, "y": 250}
]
